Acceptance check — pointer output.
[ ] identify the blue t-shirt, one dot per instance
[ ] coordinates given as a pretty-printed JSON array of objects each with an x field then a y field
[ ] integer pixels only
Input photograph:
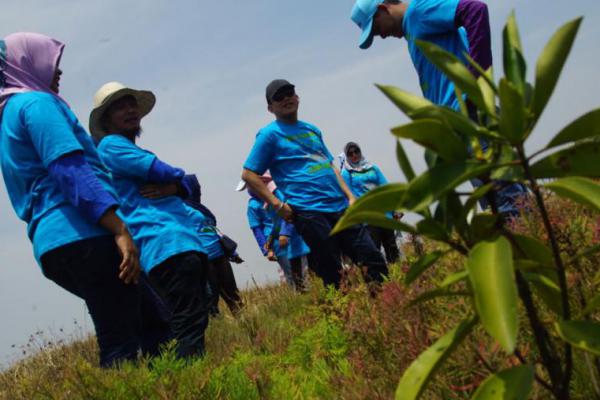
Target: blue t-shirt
[
  {"x": 36, "y": 129},
  {"x": 161, "y": 228},
  {"x": 360, "y": 182},
  {"x": 296, "y": 246},
  {"x": 300, "y": 164},
  {"x": 259, "y": 217},
  {"x": 433, "y": 21}
]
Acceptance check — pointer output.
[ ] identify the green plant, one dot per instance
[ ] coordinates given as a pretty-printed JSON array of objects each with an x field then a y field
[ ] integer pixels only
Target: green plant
[{"x": 503, "y": 269}]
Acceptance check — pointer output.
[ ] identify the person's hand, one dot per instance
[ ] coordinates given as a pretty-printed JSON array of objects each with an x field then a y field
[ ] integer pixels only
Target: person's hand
[
  {"x": 129, "y": 269},
  {"x": 283, "y": 241},
  {"x": 351, "y": 200},
  {"x": 271, "y": 256},
  {"x": 157, "y": 191},
  {"x": 286, "y": 212}
]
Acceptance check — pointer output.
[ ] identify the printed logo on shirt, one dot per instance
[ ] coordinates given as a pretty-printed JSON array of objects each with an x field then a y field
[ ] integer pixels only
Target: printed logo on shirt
[
  {"x": 313, "y": 169},
  {"x": 304, "y": 135}
]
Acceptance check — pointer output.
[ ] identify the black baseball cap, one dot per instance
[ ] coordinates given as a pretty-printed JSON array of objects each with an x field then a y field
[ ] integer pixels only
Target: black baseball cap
[{"x": 275, "y": 86}]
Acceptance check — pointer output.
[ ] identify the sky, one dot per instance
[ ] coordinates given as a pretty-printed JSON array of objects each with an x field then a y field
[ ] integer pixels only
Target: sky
[{"x": 208, "y": 64}]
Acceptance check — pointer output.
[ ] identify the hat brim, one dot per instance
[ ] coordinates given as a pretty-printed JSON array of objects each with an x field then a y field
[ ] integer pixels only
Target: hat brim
[
  {"x": 144, "y": 98},
  {"x": 241, "y": 186},
  {"x": 366, "y": 38}
]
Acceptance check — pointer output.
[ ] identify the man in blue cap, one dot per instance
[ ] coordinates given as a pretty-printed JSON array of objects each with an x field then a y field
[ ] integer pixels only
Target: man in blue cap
[{"x": 458, "y": 26}]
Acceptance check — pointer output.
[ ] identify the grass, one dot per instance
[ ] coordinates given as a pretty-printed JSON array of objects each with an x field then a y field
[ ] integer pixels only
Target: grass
[{"x": 319, "y": 345}]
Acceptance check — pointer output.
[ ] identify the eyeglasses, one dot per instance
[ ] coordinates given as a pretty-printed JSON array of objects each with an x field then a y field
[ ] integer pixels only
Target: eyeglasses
[
  {"x": 283, "y": 93},
  {"x": 353, "y": 152}
]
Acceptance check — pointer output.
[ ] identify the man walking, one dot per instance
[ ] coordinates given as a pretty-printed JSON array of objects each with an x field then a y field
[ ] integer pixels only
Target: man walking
[{"x": 301, "y": 166}]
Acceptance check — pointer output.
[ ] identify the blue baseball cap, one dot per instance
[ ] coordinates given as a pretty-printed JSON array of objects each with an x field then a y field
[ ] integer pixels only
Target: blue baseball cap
[{"x": 362, "y": 15}]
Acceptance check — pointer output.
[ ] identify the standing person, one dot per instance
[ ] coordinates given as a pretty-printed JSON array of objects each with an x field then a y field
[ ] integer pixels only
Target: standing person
[
  {"x": 459, "y": 27},
  {"x": 59, "y": 187},
  {"x": 316, "y": 194},
  {"x": 166, "y": 230},
  {"x": 361, "y": 176}
]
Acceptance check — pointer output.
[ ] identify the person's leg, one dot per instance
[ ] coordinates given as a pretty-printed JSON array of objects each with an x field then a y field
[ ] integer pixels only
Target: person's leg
[
  {"x": 227, "y": 285},
  {"x": 357, "y": 244},
  {"x": 314, "y": 227},
  {"x": 182, "y": 280},
  {"x": 90, "y": 268},
  {"x": 375, "y": 233},
  {"x": 212, "y": 287},
  {"x": 388, "y": 241},
  {"x": 297, "y": 277},
  {"x": 155, "y": 319},
  {"x": 284, "y": 264}
]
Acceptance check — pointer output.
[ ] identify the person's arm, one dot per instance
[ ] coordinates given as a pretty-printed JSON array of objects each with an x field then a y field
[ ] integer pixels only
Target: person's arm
[
  {"x": 474, "y": 17},
  {"x": 129, "y": 269},
  {"x": 343, "y": 186},
  {"x": 257, "y": 186},
  {"x": 381, "y": 180},
  {"x": 259, "y": 235}
]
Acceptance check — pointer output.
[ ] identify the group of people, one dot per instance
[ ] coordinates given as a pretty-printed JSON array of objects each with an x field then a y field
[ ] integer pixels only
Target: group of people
[{"x": 118, "y": 227}]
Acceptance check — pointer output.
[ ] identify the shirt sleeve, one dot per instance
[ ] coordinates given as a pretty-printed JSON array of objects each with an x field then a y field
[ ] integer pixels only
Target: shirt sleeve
[
  {"x": 50, "y": 132},
  {"x": 254, "y": 219},
  {"x": 286, "y": 229},
  {"x": 474, "y": 17},
  {"x": 124, "y": 158},
  {"x": 433, "y": 17},
  {"x": 380, "y": 177},
  {"x": 260, "y": 239},
  {"x": 161, "y": 172},
  {"x": 262, "y": 153},
  {"x": 80, "y": 186}
]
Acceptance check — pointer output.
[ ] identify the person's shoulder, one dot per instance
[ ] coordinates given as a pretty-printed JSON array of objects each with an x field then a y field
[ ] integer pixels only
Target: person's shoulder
[
  {"x": 30, "y": 98},
  {"x": 309, "y": 126},
  {"x": 113, "y": 141}
]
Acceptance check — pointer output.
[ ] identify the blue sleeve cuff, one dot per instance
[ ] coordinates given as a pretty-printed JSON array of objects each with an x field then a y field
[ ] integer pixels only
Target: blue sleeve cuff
[
  {"x": 161, "y": 172},
  {"x": 80, "y": 186}
]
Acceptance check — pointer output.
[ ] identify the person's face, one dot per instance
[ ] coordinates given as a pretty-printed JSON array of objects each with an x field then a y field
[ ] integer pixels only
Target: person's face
[
  {"x": 123, "y": 116},
  {"x": 354, "y": 155},
  {"x": 384, "y": 24},
  {"x": 285, "y": 102},
  {"x": 54, "y": 86}
]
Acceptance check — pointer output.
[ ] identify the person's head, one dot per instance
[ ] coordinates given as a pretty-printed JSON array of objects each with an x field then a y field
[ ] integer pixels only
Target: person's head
[
  {"x": 381, "y": 18},
  {"x": 353, "y": 152},
  {"x": 282, "y": 100},
  {"x": 119, "y": 109}
]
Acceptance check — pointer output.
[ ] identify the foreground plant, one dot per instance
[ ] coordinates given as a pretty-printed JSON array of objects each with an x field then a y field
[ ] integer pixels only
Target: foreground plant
[{"x": 502, "y": 268}]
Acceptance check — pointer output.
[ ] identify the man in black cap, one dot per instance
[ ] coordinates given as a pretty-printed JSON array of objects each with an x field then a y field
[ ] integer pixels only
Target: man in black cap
[{"x": 316, "y": 195}]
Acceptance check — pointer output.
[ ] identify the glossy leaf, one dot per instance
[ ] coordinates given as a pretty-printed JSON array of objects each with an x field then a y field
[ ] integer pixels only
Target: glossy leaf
[
  {"x": 478, "y": 194},
  {"x": 584, "y": 127},
  {"x": 530, "y": 248},
  {"x": 514, "y": 63},
  {"x": 455, "y": 69},
  {"x": 581, "y": 190},
  {"x": 421, "y": 265},
  {"x": 453, "y": 278},
  {"x": 435, "y": 136},
  {"x": 512, "y": 113},
  {"x": 511, "y": 384},
  {"x": 432, "y": 229},
  {"x": 417, "y": 376},
  {"x": 530, "y": 266},
  {"x": 584, "y": 335},
  {"x": 550, "y": 64},
  {"x": 578, "y": 160},
  {"x": 508, "y": 173},
  {"x": 372, "y": 218},
  {"x": 492, "y": 277},
  {"x": 547, "y": 290},
  {"x": 593, "y": 305},
  {"x": 404, "y": 162},
  {"x": 484, "y": 227},
  {"x": 405, "y": 101},
  {"x": 488, "y": 94},
  {"x": 438, "y": 181}
]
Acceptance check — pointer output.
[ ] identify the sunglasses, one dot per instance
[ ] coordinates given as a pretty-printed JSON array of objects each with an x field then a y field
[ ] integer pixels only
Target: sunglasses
[
  {"x": 353, "y": 152},
  {"x": 283, "y": 94}
]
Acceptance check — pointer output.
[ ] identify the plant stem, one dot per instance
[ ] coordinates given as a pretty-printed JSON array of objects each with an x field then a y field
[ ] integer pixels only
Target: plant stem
[{"x": 538, "y": 378}]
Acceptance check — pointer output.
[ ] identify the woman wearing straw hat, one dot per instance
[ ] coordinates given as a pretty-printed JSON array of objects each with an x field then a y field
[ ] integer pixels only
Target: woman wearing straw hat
[
  {"x": 58, "y": 186},
  {"x": 167, "y": 231}
]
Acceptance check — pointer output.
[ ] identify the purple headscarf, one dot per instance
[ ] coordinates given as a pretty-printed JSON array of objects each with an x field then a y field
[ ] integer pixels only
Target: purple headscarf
[{"x": 27, "y": 64}]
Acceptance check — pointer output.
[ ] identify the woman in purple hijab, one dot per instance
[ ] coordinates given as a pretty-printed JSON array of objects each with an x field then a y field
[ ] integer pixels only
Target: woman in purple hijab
[{"x": 58, "y": 186}]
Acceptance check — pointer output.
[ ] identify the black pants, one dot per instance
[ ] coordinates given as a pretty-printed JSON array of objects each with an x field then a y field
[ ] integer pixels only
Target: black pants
[
  {"x": 297, "y": 276},
  {"x": 89, "y": 269},
  {"x": 386, "y": 238},
  {"x": 222, "y": 282},
  {"x": 181, "y": 282},
  {"x": 354, "y": 242}
]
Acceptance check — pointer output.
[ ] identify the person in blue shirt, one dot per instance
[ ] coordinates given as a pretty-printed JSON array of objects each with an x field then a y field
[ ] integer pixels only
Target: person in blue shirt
[
  {"x": 169, "y": 234},
  {"x": 59, "y": 187},
  {"x": 361, "y": 176},
  {"x": 459, "y": 27},
  {"x": 316, "y": 194}
]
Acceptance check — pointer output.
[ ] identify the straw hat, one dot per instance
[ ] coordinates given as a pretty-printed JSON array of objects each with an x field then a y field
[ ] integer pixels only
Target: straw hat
[{"x": 109, "y": 93}]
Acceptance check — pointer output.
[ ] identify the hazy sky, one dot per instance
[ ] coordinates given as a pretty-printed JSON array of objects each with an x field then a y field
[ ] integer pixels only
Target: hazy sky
[{"x": 208, "y": 64}]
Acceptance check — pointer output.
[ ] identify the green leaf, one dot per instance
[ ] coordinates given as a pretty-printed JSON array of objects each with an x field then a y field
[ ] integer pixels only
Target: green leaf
[
  {"x": 421, "y": 265},
  {"x": 530, "y": 266},
  {"x": 439, "y": 180},
  {"x": 449, "y": 213},
  {"x": 508, "y": 173},
  {"x": 484, "y": 227},
  {"x": 547, "y": 290},
  {"x": 488, "y": 93},
  {"x": 404, "y": 162},
  {"x": 584, "y": 253},
  {"x": 578, "y": 160},
  {"x": 581, "y": 190},
  {"x": 492, "y": 277},
  {"x": 453, "y": 278},
  {"x": 514, "y": 63},
  {"x": 455, "y": 70},
  {"x": 479, "y": 193},
  {"x": 584, "y": 335},
  {"x": 512, "y": 113},
  {"x": 511, "y": 384},
  {"x": 532, "y": 249},
  {"x": 371, "y": 218},
  {"x": 417, "y": 376},
  {"x": 435, "y": 136},
  {"x": 584, "y": 127},
  {"x": 432, "y": 229},
  {"x": 405, "y": 101},
  {"x": 550, "y": 64},
  {"x": 592, "y": 306}
]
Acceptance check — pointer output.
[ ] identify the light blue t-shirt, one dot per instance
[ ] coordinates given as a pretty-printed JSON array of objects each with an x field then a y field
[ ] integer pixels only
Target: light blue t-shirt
[
  {"x": 161, "y": 228},
  {"x": 300, "y": 164},
  {"x": 36, "y": 129},
  {"x": 296, "y": 246},
  {"x": 360, "y": 182},
  {"x": 433, "y": 21}
]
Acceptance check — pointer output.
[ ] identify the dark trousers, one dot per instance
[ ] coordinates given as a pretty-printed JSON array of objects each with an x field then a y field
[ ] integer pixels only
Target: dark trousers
[
  {"x": 222, "y": 282},
  {"x": 181, "y": 282},
  {"x": 156, "y": 318},
  {"x": 297, "y": 276},
  {"x": 354, "y": 242},
  {"x": 89, "y": 269},
  {"x": 386, "y": 238}
]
